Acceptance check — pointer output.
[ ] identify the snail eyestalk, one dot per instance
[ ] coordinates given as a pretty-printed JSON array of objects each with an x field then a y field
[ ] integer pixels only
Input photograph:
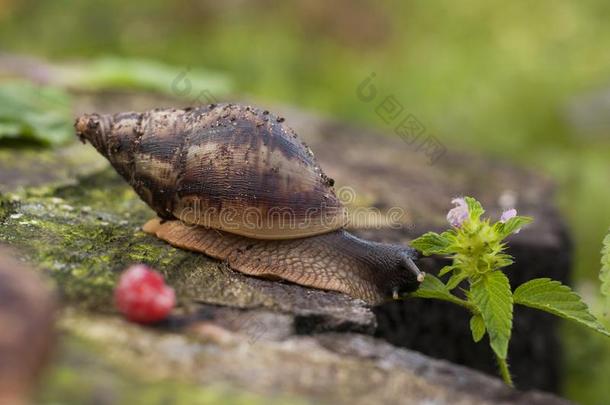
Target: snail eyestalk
[{"x": 410, "y": 265}]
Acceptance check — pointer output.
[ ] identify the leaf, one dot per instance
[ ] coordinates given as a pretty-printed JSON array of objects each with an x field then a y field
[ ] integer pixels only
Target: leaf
[
  {"x": 431, "y": 243},
  {"x": 35, "y": 113},
  {"x": 197, "y": 85},
  {"x": 558, "y": 299},
  {"x": 450, "y": 235},
  {"x": 492, "y": 296},
  {"x": 475, "y": 209},
  {"x": 604, "y": 273},
  {"x": 447, "y": 269},
  {"x": 503, "y": 260},
  {"x": 477, "y": 327},
  {"x": 456, "y": 279},
  {"x": 432, "y": 287},
  {"x": 510, "y": 226}
]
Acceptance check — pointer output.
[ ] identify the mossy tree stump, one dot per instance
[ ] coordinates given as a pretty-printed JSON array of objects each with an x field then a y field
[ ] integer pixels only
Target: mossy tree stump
[{"x": 74, "y": 218}]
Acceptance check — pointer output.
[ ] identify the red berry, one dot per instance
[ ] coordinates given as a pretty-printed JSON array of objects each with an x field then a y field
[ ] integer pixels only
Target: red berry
[{"x": 142, "y": 295}]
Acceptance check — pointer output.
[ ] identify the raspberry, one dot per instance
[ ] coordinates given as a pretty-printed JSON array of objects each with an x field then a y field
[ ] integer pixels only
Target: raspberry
[{"x": 142, "y": 295}]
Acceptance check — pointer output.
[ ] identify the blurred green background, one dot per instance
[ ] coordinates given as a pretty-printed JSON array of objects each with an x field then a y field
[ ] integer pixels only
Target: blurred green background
[{"x": 523, "y": 81}]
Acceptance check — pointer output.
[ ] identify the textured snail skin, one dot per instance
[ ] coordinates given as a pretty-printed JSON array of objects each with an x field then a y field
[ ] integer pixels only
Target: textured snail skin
[
  {"x": 237, "y": 184},
  {"x": 336, "y": 261}
]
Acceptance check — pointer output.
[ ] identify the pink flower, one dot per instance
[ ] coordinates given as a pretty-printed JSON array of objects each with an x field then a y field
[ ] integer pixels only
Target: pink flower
[
  {"x": 458, "y": 214},
  {"x": 508, "y": 214}
]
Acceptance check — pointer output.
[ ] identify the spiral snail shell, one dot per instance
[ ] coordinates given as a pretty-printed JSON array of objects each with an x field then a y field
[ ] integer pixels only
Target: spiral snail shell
[{"x": 237, "y": 184}]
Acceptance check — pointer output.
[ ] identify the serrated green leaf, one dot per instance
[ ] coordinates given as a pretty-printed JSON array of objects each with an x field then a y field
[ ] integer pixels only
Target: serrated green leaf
[
  {"x": 475, "y": 209},
  {"x": 431, "y": 243},
  {"x": 492, "y": 296},
  {"x": 558, "y": 299},
  {"x": 432, "y": 287},
  {"x": 477, "y": 327},
  {"x": 604, "y": 273}
]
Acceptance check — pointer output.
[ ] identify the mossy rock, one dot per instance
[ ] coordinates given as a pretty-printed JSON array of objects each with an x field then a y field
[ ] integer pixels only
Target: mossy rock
[{"x": 84, "y": 234}]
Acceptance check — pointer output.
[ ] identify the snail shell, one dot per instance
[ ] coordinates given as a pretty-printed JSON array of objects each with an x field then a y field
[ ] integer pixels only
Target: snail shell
[{"x": 236, "y": 183}]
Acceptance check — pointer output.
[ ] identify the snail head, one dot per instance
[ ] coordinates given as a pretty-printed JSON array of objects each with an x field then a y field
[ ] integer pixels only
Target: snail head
[{"x": 414, "y": 275}]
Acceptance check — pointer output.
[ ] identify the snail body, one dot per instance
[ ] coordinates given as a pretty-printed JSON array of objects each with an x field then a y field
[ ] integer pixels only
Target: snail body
[{"x": 237, "y": 184}]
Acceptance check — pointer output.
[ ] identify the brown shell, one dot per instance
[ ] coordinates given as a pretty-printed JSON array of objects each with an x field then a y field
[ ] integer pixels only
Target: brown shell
[{"x": 228, "y": 167}]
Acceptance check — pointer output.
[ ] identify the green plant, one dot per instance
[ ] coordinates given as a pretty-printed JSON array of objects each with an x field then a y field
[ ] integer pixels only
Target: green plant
[
  {"x": 39, "y": 114},
  {"x": 196, "y": 85},
  {"x": 477, "y": 248}
]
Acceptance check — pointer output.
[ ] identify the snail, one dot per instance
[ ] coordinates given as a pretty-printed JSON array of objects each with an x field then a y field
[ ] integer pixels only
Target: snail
[{"x": 237, "y": 184}]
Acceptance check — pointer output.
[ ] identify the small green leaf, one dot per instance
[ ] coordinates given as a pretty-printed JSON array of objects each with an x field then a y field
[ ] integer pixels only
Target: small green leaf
[
  {"x": 450, "y": 235},
  {"x": 446, "y": 270},
  {"x": 432, "y": 287},
  {"x": 492, "y": 296},
  {"x": 558, "y": 299},
  {"x": 456, "y": 278},
  {"x": 431, "y": 243},
  {"x": 477, "y": 327},
  {"x": 475, "y": 210},
  {"x": 604, "y": 273},
  {"x": 503, "y": 260},
  {"x": 510, "y": 226}
]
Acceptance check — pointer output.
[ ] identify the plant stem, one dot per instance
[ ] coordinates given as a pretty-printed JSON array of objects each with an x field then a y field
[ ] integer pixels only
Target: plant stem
[
  {"x": 504, "y": 372},
  {"x": 451, "y": 298},
  {"x": 465, "y": 304}
]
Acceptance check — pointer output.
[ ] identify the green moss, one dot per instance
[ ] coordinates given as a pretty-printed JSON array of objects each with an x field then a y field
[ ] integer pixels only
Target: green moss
[
  {"x": 82, "y": 246},
  {"x": 85, "y": 234}
]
